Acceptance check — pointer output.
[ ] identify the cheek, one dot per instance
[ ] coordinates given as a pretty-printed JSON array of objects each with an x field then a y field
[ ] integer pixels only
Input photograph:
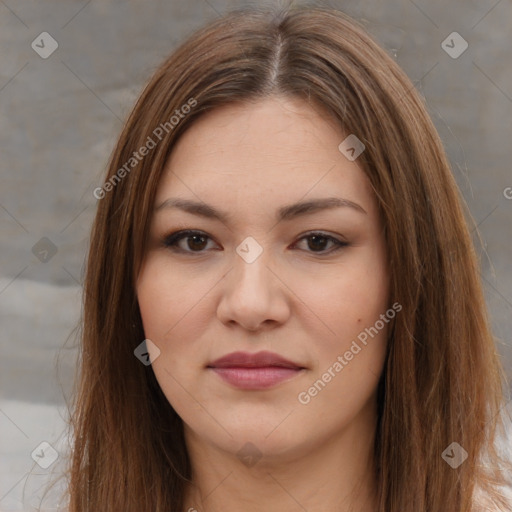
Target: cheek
[
  {"x": 166, "y": 298},
  {"x": 350, "y": 302},
  {"x": 349, "y": 296},
  {"x": 170, "y": 310},
  {"x": 348, "y": 366},
  {"x": 175, "y": 313}
]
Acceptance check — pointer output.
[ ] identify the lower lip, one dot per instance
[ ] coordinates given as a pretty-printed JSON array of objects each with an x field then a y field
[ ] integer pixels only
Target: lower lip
[{"x": 256, "y": 378}]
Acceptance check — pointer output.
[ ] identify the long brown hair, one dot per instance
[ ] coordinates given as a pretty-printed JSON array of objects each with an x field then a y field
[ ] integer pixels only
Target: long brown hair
[{"x": 442, "y": 381}]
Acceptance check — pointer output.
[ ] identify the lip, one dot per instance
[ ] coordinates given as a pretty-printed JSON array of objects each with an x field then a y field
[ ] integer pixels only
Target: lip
[{"x": 261, "y": 370}]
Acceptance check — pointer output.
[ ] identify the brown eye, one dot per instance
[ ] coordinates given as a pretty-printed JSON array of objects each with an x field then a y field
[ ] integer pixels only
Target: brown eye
[
  {"x": 317, "y": 243},
  {"x": 196, "y": 241}
]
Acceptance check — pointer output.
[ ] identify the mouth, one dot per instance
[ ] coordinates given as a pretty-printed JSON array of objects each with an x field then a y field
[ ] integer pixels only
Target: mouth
[{"x": 255, "y": 371}]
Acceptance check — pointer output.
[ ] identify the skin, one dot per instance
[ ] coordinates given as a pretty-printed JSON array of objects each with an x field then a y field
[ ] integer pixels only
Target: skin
[{"x": 303, "y": 301}]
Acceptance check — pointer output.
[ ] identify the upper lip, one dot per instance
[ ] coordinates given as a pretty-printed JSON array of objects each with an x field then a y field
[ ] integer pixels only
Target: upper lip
[{"x": 257, "y": 360}]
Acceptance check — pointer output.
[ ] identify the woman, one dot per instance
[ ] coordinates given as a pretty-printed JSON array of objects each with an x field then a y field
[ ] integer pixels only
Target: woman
[{"x": 282, "y": 303}]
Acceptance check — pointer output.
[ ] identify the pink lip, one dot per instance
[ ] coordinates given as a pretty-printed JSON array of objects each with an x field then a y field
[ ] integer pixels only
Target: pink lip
[{"x": 254, "y": 371}]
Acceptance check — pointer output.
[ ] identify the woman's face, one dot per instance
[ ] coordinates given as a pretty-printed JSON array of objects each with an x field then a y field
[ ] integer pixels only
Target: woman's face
[{"x": 309, "y": 283}]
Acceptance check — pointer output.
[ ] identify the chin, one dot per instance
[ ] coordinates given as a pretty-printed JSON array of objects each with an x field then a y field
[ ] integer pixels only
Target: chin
[{"x": 267, "y": 440}]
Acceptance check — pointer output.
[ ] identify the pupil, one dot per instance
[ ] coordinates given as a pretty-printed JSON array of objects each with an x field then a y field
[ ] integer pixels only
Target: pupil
[
  {"x": 315, "y": 244},
  {"x": 194, "y": 239}
]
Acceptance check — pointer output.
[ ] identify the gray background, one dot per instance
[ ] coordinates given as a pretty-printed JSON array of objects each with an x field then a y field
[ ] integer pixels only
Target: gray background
[{"x": 60, "y": 116}]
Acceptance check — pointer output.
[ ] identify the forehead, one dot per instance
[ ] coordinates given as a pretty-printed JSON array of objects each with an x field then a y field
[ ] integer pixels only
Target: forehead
[{"x": 263, "y": 154}]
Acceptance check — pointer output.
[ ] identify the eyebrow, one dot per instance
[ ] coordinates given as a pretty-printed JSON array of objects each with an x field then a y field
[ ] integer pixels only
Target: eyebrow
[{"x": 285, "y": 213}]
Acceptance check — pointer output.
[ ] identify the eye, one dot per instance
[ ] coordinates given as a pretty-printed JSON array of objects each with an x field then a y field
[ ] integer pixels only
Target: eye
[
  {"x": 197, "y": 242},
  {"x": 318, "y": 241}
]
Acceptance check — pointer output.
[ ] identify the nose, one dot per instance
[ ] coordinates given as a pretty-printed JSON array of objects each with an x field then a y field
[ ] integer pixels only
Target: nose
[{"x": 253, "y": 296}]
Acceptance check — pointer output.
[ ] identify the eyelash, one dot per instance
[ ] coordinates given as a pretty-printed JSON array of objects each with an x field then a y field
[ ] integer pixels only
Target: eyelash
[{"x": 171, "y": 241}]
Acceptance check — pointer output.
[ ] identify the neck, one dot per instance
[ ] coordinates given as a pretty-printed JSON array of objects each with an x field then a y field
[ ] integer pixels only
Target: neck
[{"x": 336, "y": 475}]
